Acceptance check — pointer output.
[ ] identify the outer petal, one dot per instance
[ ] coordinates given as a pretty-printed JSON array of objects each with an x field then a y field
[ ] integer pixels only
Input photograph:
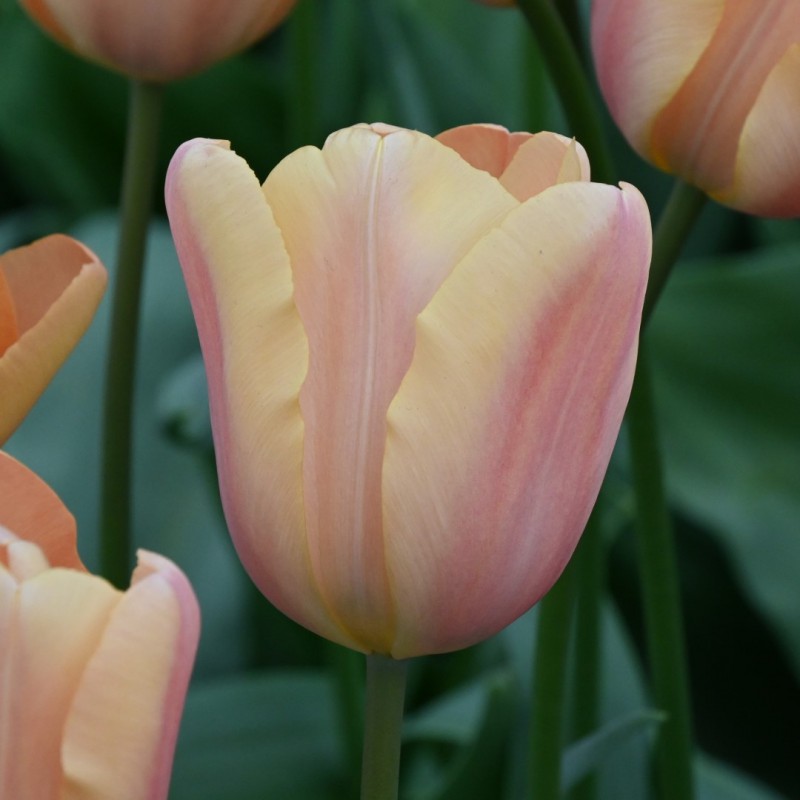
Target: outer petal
[
  {"x": 154, "y": 40},
  {"x": 56, "y": 285},
  {"x": 373, "y": 224},
  {"x": 120, "y": 736},
  {"x": 255, "y": 351},
  {"x": 768, "y": 160},
  {"x": 501, "y": 432},
  {"x": 33, "y": 511},
  {"x": 53, "y": 625},
  {"x": 697, "y": 133},
  {"x": 643, "y": 52}
]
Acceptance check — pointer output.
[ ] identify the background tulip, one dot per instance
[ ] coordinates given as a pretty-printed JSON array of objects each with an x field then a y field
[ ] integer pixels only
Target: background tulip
[
  {"x": 49, "y": 292},
  {"x": 93, "y": 679},
  {"x": 158, "y": 40},
  {"x": 707, "y": 89},
  {"x": 416, "y": 377}
]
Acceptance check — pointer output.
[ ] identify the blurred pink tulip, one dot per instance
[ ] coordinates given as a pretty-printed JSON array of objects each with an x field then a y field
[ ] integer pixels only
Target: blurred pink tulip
[
  {"x": 49, "y": 292},
  {"x": 157, "y": 40},
  {"x": 418, "y": 353},
  {"x": 707, "y": 90},
  {"x": 92, "y": 680}
]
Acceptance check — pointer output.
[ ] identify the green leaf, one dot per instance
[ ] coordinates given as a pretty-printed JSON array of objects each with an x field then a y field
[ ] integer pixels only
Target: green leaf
[
  {"x": 588, "y": 754},
  {"x": 719, "y": 781},
  {"x": 477, "y": 719},
  {"x": 726, "y": 340},
  {"x": 260, "y": 736}
]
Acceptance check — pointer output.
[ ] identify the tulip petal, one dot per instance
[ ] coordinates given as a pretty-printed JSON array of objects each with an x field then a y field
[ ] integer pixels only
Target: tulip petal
[
  {"x": 373, "y": 224},
  {"x": 768, "y": 160},
  {"x": 153, "y": 40},
  {"x": 644, "y": 51},
  {"x": 30, "y": 509},
  {"x": 56, "y": 284},
  {"x": 697, "y": 133},
  {"x": 502, "y": 429},
  {"x": 53, "y": 623},
  {"x": 486, "y": 147},
  {"x": 255, "y": 351},
  {"x": 9, "y": 331},
  {"x": 120, "y": 736}
]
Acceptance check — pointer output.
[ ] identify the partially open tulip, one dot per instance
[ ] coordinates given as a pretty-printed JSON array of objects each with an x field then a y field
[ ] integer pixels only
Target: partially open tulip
[
  {"x": 92, "y": 680},
  {"x": 49, "y": 292},
  {"x": 157, "y": 40},
  {"x": 418, "y": 355},
  {"x": 707, "y": 89}
]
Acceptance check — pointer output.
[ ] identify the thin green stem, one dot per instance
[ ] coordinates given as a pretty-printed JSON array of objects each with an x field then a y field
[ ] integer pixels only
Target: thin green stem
[
  {"x": 549, "y": 683},
  {"x": 137, "y": 197},
  {"x": 661, "y": 593},
  {"x": 569, "y": 77},
  {"x": 674, "y": 224},
  {"x": 383, "y": 719},
  {"x": 586, "y": 672},
  {"x": 304, "y": 101}
]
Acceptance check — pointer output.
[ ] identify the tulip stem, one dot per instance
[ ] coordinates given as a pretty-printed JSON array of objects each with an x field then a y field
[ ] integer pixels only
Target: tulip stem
[
  {"x": 676, "y": 220},
  {"x": 590, "y": 560},
  {"x": 568, "y": 74},
  {"x": 549, "y": 684},
  {"x": 144, "y": 116},
  {"x": 661, "y": 593},
  {"x": 383, "y": 720}
]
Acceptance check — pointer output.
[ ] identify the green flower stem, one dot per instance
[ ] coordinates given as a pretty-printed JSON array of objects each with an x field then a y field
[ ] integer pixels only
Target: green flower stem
[
  {"x": 136, "y": 205},
  {"x": 660, "y": 590},
  {"x": 549, "y": 684},
  {"x": 676, "y": 221},
  {"x": 586, "y": 663},
  {"x": 569, "y": 76},
  {"x": 383, "y": 720},
  {"x": 302, "y": 29}
]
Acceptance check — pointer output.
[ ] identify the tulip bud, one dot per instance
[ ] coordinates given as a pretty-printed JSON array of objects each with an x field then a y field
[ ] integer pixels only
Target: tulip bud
[
  {"x": 707, "y": 90},
  {"x": 92, "y": 680},
  {"x": 49, "y": 292},
  {"x": 157, "y": 40},
  {"x": 418, "y": 355}
]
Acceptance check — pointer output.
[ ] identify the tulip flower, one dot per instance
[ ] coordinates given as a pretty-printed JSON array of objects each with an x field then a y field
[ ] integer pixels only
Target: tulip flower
[
  {"x": 159, "y": 40},
  {"x": 92, "y": 679},
  {"x": 418, "y": 356},
  {"x": 707, "y": 90},
  {"x": 49, "y": 292}
]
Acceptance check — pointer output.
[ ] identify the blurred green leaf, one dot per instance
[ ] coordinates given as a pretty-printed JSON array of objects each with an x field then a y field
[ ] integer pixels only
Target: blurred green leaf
[
  {"x": 259, "y": 736},
  {"x": 726, "y": 340},
  {"x": 183, "y": 410},
  {"x": 476, "y": 718},
  {"x": 585, "y": 756},
  {"x": 718, "y": 781}
]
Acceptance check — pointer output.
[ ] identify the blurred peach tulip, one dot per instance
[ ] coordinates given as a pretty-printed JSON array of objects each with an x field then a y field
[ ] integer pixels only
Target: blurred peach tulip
[
  {"x": 157, "y": 40},
  {"x": 418, "y": 354},
  {"x": 49, "y": 292},
  {"x": 707, "y": 90},
  {"x": 92, "y": 680}
]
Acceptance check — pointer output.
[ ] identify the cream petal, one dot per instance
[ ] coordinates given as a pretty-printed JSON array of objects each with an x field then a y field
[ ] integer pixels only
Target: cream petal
[
  {"x": 502, "y": 429},
  {"x": 643, "y": 51},
  {"x": 33, "y": 511},
  {"x": 56, "y": 284},
  {"x": 768, "y": 159},
  {"x": 57, "y": 618},
  {"x": 373, "y": 224},
  {"x": 120, "y": 736},
  {"x": 255, "y": 351}
]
